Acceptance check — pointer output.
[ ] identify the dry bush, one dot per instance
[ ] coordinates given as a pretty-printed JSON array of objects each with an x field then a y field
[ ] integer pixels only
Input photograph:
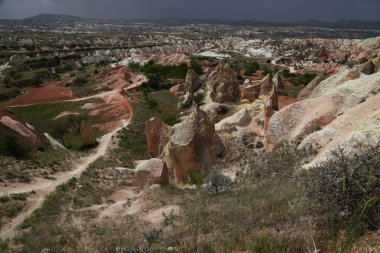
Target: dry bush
[{"x": 345, "y": 193}]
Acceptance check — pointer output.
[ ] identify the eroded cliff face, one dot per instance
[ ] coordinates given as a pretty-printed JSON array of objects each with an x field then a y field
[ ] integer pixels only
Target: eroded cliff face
[{"x": 341, "y": 112}]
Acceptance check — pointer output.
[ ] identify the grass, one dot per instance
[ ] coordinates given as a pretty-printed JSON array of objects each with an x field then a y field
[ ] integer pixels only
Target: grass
[
  {"x": 10, "y": 206},
  {"x": 47, "y": 112},
  {"x": 133, "y": 139},
  {"x": 52, "y": 225},
  {"x": 8, "y": 93},
  {"x": 37, "y": 164}
]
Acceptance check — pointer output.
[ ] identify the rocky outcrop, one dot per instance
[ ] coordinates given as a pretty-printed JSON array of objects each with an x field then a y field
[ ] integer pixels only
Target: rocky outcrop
[
  {"x": 278, "y": 81},
  {"x": 88, "y": 136},
  {"x": 215, "y": 111},
  {"x": 343, "y": 75},
  {"x": 150, "y": 172},
  {"x": 341, "y": 112},
  {"x": 268, "y": 89},
  {"x": 157, "y": 135},
  {"x": 367, "y": 68},
  {"x": 192, "y": 83},
  {"x": 306, "y": 92},
  {"x": 178, "y": 89},
  {"x": 12, "y": 125},
  {"x": 302, "y": 118},
  {"x": 250, "y": 92},
  {"x": 242, "y": 118},
  {"x": 186, "y": 101},
  {"x": 193, "y": 145},
  {"x": 223, "y": 84}
]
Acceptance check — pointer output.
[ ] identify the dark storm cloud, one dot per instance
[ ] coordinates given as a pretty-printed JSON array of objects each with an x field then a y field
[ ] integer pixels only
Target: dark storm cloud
[{"x": 271, "y": 10}]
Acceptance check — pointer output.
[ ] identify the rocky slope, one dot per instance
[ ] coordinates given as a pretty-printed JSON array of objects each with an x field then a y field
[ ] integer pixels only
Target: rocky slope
[{"x": 342, "y": 111}]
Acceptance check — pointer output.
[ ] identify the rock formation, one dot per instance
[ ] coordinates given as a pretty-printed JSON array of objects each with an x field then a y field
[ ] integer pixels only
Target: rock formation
[
  {"x": 306, "y": 92},
  {"x": 186, "y": 101},
  {"x": 12, "y": 125},
  {"x": 193, "y": 145},
  {"x": 250, "y": 92},
  {"x": 367, "y": 68},
  {"x": 268, "y": 89},
  {"x": 343, "y": 75},
  {"x": 158, "y": 134},
  {"x": 88, "y": 136},
  {"x": 241, "y": 118},
  {"x": 150, "y": 172},
  {"x": 178, "y": 89},
  {"x": 340, "y": 112},
  {"x": 191, "y": 85},
  {"x": 278, "y": 81},
  {"x": 223, "y": 84}
]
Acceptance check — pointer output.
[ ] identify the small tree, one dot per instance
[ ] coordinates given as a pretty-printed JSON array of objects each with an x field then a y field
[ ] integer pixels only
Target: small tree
[
  {"x": 76, "y": 121},
  {"x": 60, "y": 129}
]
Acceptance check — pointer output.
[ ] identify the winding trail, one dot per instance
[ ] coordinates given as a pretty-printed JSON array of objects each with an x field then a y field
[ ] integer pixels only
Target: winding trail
[{"x": 42, "y": 187}]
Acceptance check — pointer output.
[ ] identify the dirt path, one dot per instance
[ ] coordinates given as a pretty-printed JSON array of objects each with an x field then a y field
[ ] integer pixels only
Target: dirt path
[
  {"x": 49, "y": 92},
  {"x": 44, "y": 188}
]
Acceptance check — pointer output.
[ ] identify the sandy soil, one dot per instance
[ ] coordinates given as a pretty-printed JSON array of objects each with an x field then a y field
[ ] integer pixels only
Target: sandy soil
[{"x": 49, "y": 92}]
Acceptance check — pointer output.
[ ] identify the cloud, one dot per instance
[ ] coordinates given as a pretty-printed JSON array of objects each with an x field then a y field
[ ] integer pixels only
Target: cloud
[{"x": 272, "y": 10}]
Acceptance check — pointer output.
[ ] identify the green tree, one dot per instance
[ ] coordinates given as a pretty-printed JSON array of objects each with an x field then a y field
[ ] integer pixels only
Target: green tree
[{"x": 60, "y": 130}]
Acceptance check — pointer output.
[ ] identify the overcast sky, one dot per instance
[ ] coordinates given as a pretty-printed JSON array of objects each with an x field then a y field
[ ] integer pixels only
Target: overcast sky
[{"x": 266, "y": 10}]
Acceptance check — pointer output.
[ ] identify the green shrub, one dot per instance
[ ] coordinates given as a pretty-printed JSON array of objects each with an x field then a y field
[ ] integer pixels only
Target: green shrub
[
  {"x": 79, "y": 81},
  {"x": 251, "y": 69},
  {"x": 153, "y": 236},
  {"x": 198, "y": 98},
  {"x": 346, "y": 190},
  {"x": 195, "y": 178},
  {"x": 196, "y": 66},
  {"x": 217, "y": 183},
  {"x": 171, "y": 121},
  {"x": 286, "y": 73},
  {"x": 132, "y": 249}
]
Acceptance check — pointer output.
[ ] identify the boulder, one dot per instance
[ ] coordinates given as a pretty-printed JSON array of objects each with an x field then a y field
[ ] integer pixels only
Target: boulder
[
  {"x": 367, "y": 68},
  {"x": 306, "y": 92},
  {"x": 194, "y": 145},
  {"x": 268, "y": 89},
  {"x": 186, "y": 101},
  {"x": 278, "y": 81},
  {"x": 178, "y": 89},
  {"x": 215, "y": 111},
  {"x": 250, "y": 92},
  {"x": 242, "y": 118},
  {"x": 192, "y": 83},
  {"x": 150, "y": 172},
  {"x": 223, "y": 84},
  {"x": 302, "y": 118},
  {"x": 88, "y": 136},
  {"x": 226, "y": 92},
  {"x": 12, "y": 125},
  {"x": 157, "y": 135}
]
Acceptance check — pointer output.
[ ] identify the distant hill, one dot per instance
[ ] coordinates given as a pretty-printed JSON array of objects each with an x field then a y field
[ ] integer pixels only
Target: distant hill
[{"x": 52, "y": 19}]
